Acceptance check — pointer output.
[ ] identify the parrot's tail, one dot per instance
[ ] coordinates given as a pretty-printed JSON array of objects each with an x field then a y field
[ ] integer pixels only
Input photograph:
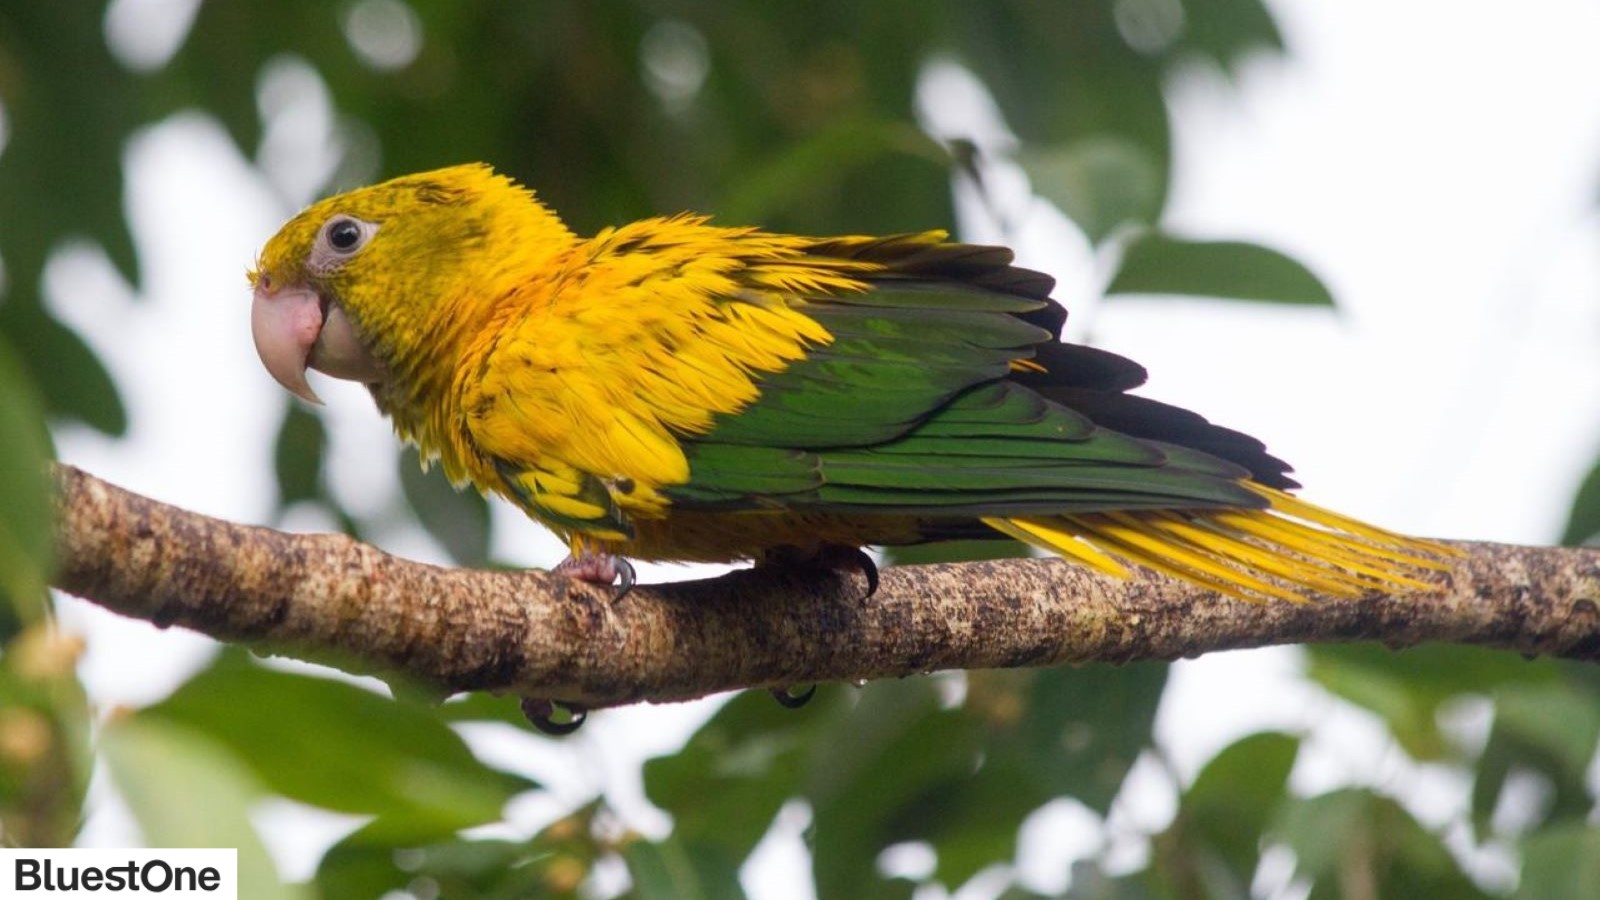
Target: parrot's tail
[{"x": 1254, "y": 554}]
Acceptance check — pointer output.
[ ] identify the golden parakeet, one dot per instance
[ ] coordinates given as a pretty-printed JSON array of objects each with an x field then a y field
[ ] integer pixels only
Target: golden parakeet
[{"x": 675, "y": 390}]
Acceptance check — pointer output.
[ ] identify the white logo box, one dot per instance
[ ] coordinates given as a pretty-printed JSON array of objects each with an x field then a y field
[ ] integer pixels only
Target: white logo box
[{"x": 99, "y": 874}]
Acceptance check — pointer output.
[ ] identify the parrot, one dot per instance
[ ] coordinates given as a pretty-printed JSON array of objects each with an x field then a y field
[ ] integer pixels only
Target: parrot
[{"x": 677, "y": 390}]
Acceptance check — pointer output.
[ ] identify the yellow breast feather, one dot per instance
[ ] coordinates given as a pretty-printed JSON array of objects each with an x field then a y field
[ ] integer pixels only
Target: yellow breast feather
[{"x": 664, "y": 325}]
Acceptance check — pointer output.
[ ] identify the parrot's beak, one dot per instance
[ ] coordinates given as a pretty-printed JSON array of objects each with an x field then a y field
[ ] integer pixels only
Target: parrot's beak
[
  {"x": 295, "y": 328},
  {"x": 285, "y": 324}
]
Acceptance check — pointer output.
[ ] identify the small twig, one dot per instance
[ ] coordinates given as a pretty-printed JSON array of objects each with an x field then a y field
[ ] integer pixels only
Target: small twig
[{"x": 539, "y": 635}]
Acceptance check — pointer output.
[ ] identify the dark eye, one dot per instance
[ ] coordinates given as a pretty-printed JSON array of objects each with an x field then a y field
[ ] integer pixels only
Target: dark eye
[{"x": 345, "y": 235}]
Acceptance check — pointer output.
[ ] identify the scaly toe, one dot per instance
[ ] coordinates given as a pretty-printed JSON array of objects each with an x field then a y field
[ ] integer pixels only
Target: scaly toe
[{"x": 601, "y": 569}]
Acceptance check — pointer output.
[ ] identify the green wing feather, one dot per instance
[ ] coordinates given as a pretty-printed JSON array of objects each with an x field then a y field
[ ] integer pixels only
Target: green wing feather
[
  {"x": 946, "y": 399},
  {"x": 914, "y": 409}
]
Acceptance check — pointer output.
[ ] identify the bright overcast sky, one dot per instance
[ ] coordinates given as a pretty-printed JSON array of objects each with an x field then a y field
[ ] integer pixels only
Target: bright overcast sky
[{"x": 1436, "y": 163}]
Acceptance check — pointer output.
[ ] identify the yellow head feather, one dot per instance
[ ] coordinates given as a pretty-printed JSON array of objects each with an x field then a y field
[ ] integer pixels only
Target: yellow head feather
[
  {"x": 443, "y": 242},
  {"x": 443, "y": 246}
]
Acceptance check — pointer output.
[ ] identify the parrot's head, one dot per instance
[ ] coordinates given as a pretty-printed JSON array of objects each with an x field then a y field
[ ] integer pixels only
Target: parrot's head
[{"x": 370, "y": 285}]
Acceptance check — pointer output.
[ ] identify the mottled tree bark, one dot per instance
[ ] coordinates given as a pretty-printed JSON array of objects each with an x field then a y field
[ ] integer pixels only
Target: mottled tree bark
[{"x": 540, "y": 635}]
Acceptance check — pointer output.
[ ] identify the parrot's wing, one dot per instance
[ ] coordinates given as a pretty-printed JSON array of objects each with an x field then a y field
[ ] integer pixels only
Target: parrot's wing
[
  {"x": 916, "y": 408},
  {"x": 1088, "y": 380},
  {"x": 997, "y": 450}
]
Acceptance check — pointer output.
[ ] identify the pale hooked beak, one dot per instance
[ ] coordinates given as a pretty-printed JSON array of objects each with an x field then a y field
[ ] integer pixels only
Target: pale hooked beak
[{"x": 295, "y": 328}]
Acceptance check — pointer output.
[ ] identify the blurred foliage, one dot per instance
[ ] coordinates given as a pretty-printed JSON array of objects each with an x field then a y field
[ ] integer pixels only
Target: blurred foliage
[
  {"x": 1159, "y": 264},
  {"x": 796, "y": 116},
  {"x": 25, "y": 546},
  {"x": 1583, "y": 525}
]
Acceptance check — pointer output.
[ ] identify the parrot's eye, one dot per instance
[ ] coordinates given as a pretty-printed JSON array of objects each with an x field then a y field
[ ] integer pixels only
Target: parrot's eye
[
  {"x": 341, "y": 237},
  {"x": 345, "y": 235}
]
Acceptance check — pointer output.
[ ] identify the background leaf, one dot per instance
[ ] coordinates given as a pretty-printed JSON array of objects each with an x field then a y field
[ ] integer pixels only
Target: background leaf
[
  {"x": 72, "y": 381},
  {"x": 1155, "y": 263},
  {"x": 1547, "y": 730},
  {"x": 297, "y": 455},
  {"x": 1100, "y": 182},
  {"x": 370, "y": 862},
  {"x": 26, "y": 535},
  {"x": 187, "y": 791},
  {"x": 1561, "y": 864},
  {"x": 459, "y": 520},
  {"x": 1583, "y": 523},
  {"x": 1357, "y": 841},
  {"x": 1409, "y": 688},
  {"x": 670, "y": 869},
  {"x": 397, "y": 761},
  {"x": 1213, "y": 846}
]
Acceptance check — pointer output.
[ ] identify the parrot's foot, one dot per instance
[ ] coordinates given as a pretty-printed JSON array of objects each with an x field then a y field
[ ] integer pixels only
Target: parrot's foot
[
  {"x": 838, "y": 557},
  {"x": 601, "y": 569},
  {"x": 554, "y": 718},
  {"x": 831, "y": 556},
  {"x": 793, "y": 696}
]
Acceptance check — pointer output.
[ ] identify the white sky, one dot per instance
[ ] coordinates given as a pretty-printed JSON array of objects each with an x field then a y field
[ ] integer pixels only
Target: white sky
[{"x": 1436, "y": 163}]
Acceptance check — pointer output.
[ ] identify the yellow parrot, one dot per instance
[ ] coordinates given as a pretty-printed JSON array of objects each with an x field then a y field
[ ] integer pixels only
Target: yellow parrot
[{"x": 676, "y": 390}]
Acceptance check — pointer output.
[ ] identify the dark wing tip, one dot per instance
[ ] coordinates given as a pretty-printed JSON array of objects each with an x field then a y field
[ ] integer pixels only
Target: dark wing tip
[{"x": 1141, "y": 417}]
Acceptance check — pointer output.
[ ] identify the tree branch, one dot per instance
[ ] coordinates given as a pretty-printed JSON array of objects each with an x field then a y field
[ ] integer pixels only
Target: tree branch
[{"x": 540, "y": 635}]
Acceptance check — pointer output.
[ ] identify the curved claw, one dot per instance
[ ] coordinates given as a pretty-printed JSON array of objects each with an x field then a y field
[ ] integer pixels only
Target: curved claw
[
  {"x": 838, "y": 556},
  {"x": 626, "y": 578},
  {"x": 600, "y": 569},
  {"x": 832, "y": 556},
  {"x": 789, "y": 698},
  {"x": 868, "y": 568},
  {"x": 542, "y": 714}
]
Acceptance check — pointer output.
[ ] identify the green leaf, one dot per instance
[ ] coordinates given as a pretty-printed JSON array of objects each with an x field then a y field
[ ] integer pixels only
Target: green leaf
[
  {"x": 1549, "y": 729},
  {"x": 1090, "y": 882},
  {"x": 1100, "y": 182},
  {"x": 873, "y": 774},
  {"x": 1561, "y": 863},
  {"x": 672, "y": 869},
  {"x": 1216, "y": 836},
  {"x": 45, "y": 723},
  {"x": 1407, "y": 687},
  {"x": 1583, "y": 523},
  {"x": 78, "y": 386},
  {"x": 459, "y": 520},
  {"x": 1353, "y": 840},
  {"x": 395, "y": 760},
  {"x": 368, "y": 863},
  {"x": 726, "y": 784},
  {"x": 789, "y": 179},
  {"x": 972, "y": 821},
  {"x": 1228, "y": 32},
  {"x": 26, "y": 534},
  {"x": 1156, "y": 263},
  {"x": 1084, "y": 727},
  {"x": 69, "y": 108},
  {"x": 186, "y": 790},
  {"x": 297, "y": 455},
  {"x": 1558, "y": 718},
  {"x": 1033, "y": 55},
  {"x": 898, "y": 767}
]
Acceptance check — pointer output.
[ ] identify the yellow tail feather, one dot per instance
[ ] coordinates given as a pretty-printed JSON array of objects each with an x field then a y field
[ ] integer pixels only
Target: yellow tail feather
[
  {"x": 1290, "y": 548},
  {"x": 1039, "y": 533}
]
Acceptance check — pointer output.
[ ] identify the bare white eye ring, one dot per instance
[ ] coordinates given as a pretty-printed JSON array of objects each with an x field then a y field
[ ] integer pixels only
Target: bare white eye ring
[{"x": 342, "y": 237}]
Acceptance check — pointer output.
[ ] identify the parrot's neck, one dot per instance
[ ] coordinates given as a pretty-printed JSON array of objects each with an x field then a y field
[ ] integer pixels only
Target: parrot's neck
[{"x": 511, "y": 269}]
